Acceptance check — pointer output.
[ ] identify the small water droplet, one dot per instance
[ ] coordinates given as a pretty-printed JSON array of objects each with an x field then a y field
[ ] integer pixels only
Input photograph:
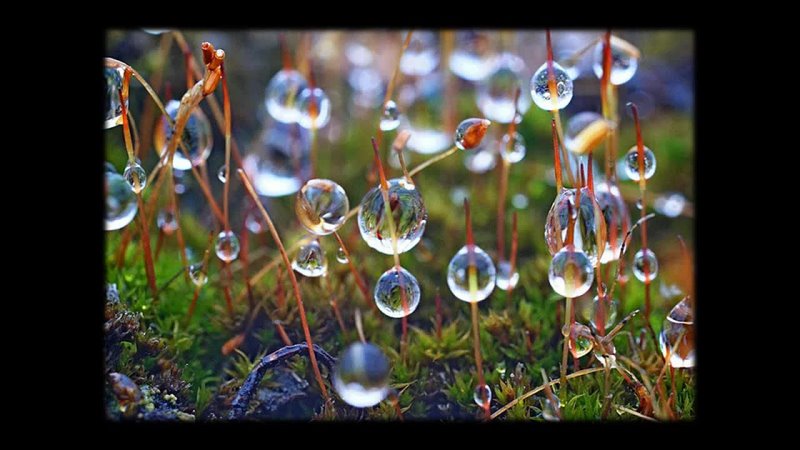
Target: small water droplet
[
  {"x": 390, "y": 117},
  {"x": 166, "y": 221},
  {"x": 221, "y": 173},
  {"x": 514, "y": 150},
  {"x": 341, "y": 256},
  {"x": 281, "y": 96},
  {"x": 310, "y": 260},
  {"x": 580, "y": 342},
  {"x": 645, "y": 260},
  {"x": 495, "y": 94},
  {"x": 519, "y": 201},
  {"x": 623, "y": 62},
  {"x": 197, "y": 274},
  {"x": 470, "y": 132},
  {"x": 227, "y": 246},
  {"x": 540, "y": 90},
  {"x": 550, "y": 409},
  {"x": 482, "y": 395},
  {"x": 314, "y": 107},
  {"x": 121, "y": 204},
  {"x": 321, "y": 206},
  {"x": 408, "y": 212},
  {"x": 632, "y": 163},
  {"x": 639, "y": 204},
  {"x": 388, "y": 295},
  {"x": 505, "y": 278},
  {"x": 135, "y": 176},
  {"x": 571, "y": 272}
]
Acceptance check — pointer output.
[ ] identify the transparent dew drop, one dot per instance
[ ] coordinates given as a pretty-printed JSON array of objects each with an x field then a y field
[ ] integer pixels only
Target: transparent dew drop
[
  {"x": 571, "y": 272},
  {"x": 519, "y": 201},
  {"x": 632, "y": 163},
  {"x": 505, "y": 278},
  {"x": 281, "y": 97},
  {"x": 677, "y": 335},
  {"x": 482, "y": 395},
  {"x": 580, "y": 342},
  {"x": 623, "y": 61},
  {"x": 361, "y": 376},
  {"x": 408, "y": 212},
  {"x": 590, "y": 312},
  {"x": 643, "y": 260},
  {"x": 321, "y": 206},
  {"x": 113, "y": 107},
  {"x": 471, "y": 59},
  {"x": 513, "y": 149},
  {"x": 197, "y": 274},
  {"x": 458, "y": 279},
  {"x": 281, "y": 160},
  {"x": 221, "y": 173},
  {"x": 390, "y": 117},
  {"x": 388, "y": 294},
  {"x": 314, "y": 107},
  {"x": 422, "y": 55},
  {"x": 341, "y": 256},
  {"x": 254, "y": 224},
  {"x": 550, "y": 410},
  {"x": 197, "y": 137},
  {"x": 616, "y": 216},
  {"x": 227, "y": 246},
  {"x": 135, "y": 176},
  {"x": 590, "y": 226},
  {"x": 585, "y": 132},
  {"x": 121, "y": 205},
  {"x": 470, "y": 132},
  {"x": 639, "y": 204},
  {"x": 495, "y": 94},
  {"x": 540, "y": 90},
  {"x": 670, "y": 205},
  {"x": 310, "y": 260},
  {"x": 166, "y": 221}
]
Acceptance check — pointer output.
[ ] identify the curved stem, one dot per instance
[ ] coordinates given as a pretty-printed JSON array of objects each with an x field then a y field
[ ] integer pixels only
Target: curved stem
[{"x": 534, "y": 391}]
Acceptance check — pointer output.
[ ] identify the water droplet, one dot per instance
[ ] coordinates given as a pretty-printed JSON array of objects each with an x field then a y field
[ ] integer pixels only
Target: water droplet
[
  {"x": 121, "y": 205},
  {"x": 644, "y": 258},
  {"x": 458, "y": 194},
  {"x": 580, "y": 341},
  {"x": 198, "y": 274},
  {"x": 388, "y": 296},
  {"x": 470, "y": 132},
  {"x": 639, "y": 204},
  {"x": 390, "y": 117},
  {"x": 422, "y": 55},
  {"x": 571, "y": 272},
  {"x": 669, "y": 290},
  {"x": 221, "y": 173},
  {"x": 281, "y": 160},
  {"x": 483, "y": 158},
  {"x": 670, "y": 205},
  {"x": 310, "y": 260},
  {"x": 677, "y": 335},
  {"x": 585, "y": 131},
  {"x": 197, "y": 137},
  {"x": 550, "y": 409},
  {"x": 458, "y": 274},
  {"x": 135, "y": 176},
  {"x": 427, "y": 141},
  {"x": 519, "y": 201},
  {"x": 632, "y": 163},
  {"x": 623, "y": 61},
  {"x": 341, "y": 256},
  {"x": 227, "y": 246},
  {"x": 156, "y": 31},
  {"x": 281, "y": 95},
  {"x": 314, "y": 107},
  {"x": 513, "y": 150},
  {"x": 590, "y": 313},
  {"x": 482, "y": 395},
  {"x": 506, "y": 279},
  {"x": 616, "y": 216},
  {"x": 113, "y": 107},
  {"x": 589, "y": 223},
  {"x": 495, "y": 94},
  {"x": 361, "y": 377},
  {"x": 471, "y": 59},
  {"x": 408, "y": 212},
  {"x": 540, "y": 90},
  {"x": 358, "y": 54},
  {"x": 166, "y": 221},
  {"x": 253, "y": 223},
  {"x": 321, "y": 206}
]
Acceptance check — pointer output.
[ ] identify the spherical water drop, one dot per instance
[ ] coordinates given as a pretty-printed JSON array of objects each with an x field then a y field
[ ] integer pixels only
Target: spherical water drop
[
  {"x": 113, "y": 107},
  {"x": 388, "y": 295},
  {"x": 197, "y": 139},
  {"x": 643, "y": 260},
  {"x": 589, "y": 223},
  {"x": 571, "y": 272},
  {"x": 616, "y": 216},
  {"x": 623, "y": 61},
  {"x": 314, "y": 107},
  {"x": 470, "y": 132},
  {"x": 670, "y": 205},
  {"x": 483, "y": 158},
  {"x": 550, "y": 409},
  {"x": 513, "y": 149},
  {"x": 227, "y": 246},
  {"x": 281, "y": 162},
  {"x": 135, "y": 176},
  {"x": 590, "y": 313},
  {"x": 585, "y": 131},
  {"x": 390, "y": 117},
  {"x": 458, "y": 279},
  {"x": 321, "y": 206},
  {"x": 408, "y": 212},
  {"x": 505, "y": 278},
  {"x": 361, "y": 377},
  {"x": 221, "y": 173},
  {"x": 422, "y": 55},
  {"x": 495, "y": 94},
  {"x": 580, "y": 340},
  {"x": 482, "y": 395},
  {"x": 197, "y": 274},
  {"x": 632, "y": 163},
  {"x": 310, "y": 260},
  {"x": 121, "y": 205},
  {"x": 519, "y": 201},
  {"x": 677, "y": 335},
  {"x": 341, "y": 256},
  {"x": 282, "y": 95},
  {"x": 540, "y": 90},
  {"x": 166, "y": 221},
  {"x": 471, "y": 59}
]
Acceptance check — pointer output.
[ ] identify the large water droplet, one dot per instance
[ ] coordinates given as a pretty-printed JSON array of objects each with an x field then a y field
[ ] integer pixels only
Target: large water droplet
[
  {"x": 361, "y": 377},
  {"x": 540, "y": 90},
  {"x": 135, "y": 176},
  {"x": 281, "y": 95},
  {"x": 310, "y": 260},
  {"x": 408, "y": 212},
  {"x": 197, "y": 138},
  {"x": 571, "y": 272},
  {"x": 632, "y": 163},
  {"x": 281, "y": 161},
  {"x": 321, "y": 206},
  {"x": 458, "y": 279},
  {"x": 591, "y": 312},
  {"x": 589, "y": 225},
  {"x": 616, "y": 216},
  {"x": 113, "y": 107},
  {"x": 677, "y": 335},
  {"x": 121, "y": 205},
  {"x": 388, "y": 293},
  {"x": 623, "y": 61}
]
